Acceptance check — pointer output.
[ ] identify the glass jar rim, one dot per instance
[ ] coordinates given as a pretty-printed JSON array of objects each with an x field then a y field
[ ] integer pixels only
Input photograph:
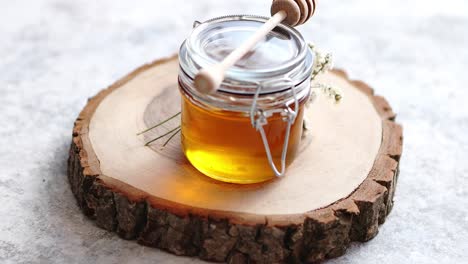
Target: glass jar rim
[{"x": 240, "y": 80}]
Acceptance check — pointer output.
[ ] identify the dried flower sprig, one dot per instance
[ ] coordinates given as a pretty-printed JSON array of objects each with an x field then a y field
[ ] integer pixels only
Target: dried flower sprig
[
  {"x": 173, "y": 132},
  {"x": 323, "y": 63},
  {"x": 171, "y": 137},
  {"x": 159, "y": 124},
  {"x": 330, "y": 91}
]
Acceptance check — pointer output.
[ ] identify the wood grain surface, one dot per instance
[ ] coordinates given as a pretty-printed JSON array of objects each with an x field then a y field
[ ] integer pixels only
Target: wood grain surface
[{"x": 154, "y": 195}]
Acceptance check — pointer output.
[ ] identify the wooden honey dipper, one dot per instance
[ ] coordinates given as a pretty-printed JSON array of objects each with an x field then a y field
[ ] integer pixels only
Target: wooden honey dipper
[{"x": 291, "y": 12}]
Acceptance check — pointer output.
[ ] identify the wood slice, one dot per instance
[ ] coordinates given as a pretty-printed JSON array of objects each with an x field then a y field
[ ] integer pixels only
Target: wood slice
[{"x": 338, "y": 190}]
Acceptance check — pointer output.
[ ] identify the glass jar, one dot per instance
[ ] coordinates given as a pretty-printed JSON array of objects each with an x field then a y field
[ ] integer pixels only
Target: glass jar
[{"x": 249, "y": 130}]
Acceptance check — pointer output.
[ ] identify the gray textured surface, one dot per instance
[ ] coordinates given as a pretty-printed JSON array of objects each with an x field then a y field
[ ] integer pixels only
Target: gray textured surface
[{"x": 55, "y": 54}]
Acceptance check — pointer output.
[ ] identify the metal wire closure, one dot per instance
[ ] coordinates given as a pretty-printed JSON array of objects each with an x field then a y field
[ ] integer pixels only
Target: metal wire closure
[{"x": 259, "y": 118}]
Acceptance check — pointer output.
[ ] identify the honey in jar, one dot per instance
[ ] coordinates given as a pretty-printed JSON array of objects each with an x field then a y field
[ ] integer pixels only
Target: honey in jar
[{"x": 249, "y": 130}]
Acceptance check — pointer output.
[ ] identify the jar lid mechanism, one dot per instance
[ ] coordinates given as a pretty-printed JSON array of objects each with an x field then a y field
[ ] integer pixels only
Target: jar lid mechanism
[{"x": 259, "y": 118}]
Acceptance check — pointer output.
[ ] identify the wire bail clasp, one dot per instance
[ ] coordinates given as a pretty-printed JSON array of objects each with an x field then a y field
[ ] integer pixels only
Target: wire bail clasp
[{"x": 259, "y": 118}]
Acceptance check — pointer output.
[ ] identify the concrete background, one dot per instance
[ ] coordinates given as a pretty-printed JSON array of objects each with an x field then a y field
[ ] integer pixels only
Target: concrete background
[{"x": 54, "y": 54}]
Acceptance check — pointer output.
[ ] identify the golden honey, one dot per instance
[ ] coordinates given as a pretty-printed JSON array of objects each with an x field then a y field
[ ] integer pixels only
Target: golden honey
[
  {"x": 223, "y": 144},
  {"x": 259, "y": 107}
]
